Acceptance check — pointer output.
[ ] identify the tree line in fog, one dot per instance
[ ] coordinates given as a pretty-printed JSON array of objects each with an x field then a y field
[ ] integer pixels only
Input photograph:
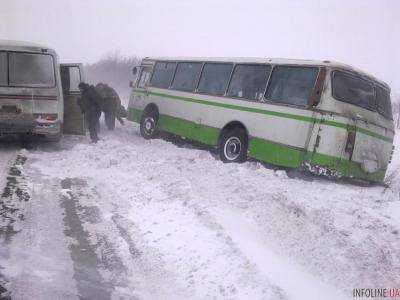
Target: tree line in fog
[{"x": 113, "y": 69}]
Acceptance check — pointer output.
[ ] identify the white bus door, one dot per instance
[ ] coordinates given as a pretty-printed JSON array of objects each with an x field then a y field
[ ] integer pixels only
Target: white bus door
[{"x": 71, "y": 76}]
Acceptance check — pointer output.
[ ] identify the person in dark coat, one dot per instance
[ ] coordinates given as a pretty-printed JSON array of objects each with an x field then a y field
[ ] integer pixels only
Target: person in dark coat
[
  {"x": 110, "y": 105},
  {"x": 90, "y": 107}
]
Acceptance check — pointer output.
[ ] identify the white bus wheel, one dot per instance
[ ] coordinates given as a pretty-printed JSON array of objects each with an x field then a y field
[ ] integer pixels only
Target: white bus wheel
[
  {"x": 148, "y": 126},
  {"x": 233, "y": 146}
]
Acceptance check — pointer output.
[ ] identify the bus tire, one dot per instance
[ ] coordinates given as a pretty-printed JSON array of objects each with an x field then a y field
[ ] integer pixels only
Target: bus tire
[
  {"x": 233, "y": 146},
  {"x": 148, "y": 125}
]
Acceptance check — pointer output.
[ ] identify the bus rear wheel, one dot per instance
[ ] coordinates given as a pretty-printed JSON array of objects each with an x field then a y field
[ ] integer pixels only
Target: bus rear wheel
[
  {"x": 148, "y": 125},
  {"x": 233, "y": 146}
]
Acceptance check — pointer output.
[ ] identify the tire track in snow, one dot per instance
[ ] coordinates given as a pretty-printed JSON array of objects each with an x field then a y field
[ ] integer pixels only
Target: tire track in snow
[
  {"x": 90, "y": 283},
  {"x": 11, "y": 208},
  {"x": 33, "y": 268}
]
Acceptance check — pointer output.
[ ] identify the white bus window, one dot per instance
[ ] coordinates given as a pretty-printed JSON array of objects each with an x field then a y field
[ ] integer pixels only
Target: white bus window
[
  {"x": 186, "y": 76},
  {"x": 353, "y": 90},
  {"x": 70, "y": 78},
  {"x": 291, "y": 85},
  {"x": 215, "y": 78},
  {"x": 3, "y": 68},
  {"x": 163, "y": 73},
  {"x": 34, "y": 70},
  {"x": 383, "y": 102},
  {"x": 144, "y": 77},
  {"x": 74, "y": 79},
  {"x": 249, "y": 81}
]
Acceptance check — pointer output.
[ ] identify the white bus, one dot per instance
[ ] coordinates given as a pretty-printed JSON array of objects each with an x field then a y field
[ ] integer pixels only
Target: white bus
[
  {"x": 327, "y": 117},
  {"x": 37, "y": 95}
]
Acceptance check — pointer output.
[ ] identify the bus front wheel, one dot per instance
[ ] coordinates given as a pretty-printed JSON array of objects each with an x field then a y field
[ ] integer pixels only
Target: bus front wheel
[
  {"x": 148, "y": 125},
  {"x": 233, "y": 146}
]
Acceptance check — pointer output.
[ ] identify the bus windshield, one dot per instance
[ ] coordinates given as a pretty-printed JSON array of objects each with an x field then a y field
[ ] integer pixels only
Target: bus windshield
[{"x": 31, "y": 70}]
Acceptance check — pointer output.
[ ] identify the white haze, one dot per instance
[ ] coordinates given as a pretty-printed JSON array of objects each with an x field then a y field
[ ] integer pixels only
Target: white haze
[{"x": 363, "y": 33}]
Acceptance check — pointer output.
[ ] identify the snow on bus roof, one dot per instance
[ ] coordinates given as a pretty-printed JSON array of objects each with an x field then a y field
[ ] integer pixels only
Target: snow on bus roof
[
  {"x": 328, "y": 63},
  {"x": 21, "y": 45}
]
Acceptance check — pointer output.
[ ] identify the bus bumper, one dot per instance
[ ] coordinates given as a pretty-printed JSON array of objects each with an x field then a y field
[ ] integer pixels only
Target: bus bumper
[
  {"x": 14, "y": 124},
  {"x": 346, "y": 169}
]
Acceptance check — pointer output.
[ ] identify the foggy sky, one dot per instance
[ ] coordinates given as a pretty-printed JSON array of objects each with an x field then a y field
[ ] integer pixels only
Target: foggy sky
[{"x": 363, "y": 33}]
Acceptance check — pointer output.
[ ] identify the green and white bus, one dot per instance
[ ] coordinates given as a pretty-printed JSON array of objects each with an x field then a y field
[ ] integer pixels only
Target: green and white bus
[{"x": 327, "y": 117}]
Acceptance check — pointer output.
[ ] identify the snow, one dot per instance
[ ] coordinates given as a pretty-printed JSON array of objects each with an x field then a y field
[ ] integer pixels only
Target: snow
[
  {"x": 7, "y": 156},
  {"x": 138, "y": 219}
]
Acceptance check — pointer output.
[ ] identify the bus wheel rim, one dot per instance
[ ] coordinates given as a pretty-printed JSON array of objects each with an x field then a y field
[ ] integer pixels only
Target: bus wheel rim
[
  {"x": 232, "y": 148},
  {"x": 149, "y": 125}
]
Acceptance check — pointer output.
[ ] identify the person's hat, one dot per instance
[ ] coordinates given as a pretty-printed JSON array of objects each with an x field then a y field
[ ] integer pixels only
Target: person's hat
[{"x": 82, "y": 86}]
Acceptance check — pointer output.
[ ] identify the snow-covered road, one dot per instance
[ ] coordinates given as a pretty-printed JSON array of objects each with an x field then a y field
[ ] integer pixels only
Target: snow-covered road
[{"x": 135, "y": 219}]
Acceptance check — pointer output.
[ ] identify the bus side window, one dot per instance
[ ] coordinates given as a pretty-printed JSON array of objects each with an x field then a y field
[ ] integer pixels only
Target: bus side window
[
  {"x": 3, "y": 69},
  {"x": 74, "y": 79},
  {"x": 291, "y": 85},
  {"x": 162, "y": 75},
  {"x": 215, "y": 78},
  {"x": 144, "y": 77},
  {"x": 249, "y": 81},
  {"x": 70, "y": 78},
  {"x": 186, "y": 76}
]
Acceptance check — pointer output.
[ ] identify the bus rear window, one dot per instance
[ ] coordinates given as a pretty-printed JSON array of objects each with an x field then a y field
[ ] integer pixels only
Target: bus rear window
[
  {"x": 3, "y": 68},
  {"x": 353, "y": 90},
  {"x": 31, "y": 70},
  {"x": 383, "y": 103}
]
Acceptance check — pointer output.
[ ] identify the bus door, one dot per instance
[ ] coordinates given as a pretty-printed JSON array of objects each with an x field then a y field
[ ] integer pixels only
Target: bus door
[
  {"x": 71, "y": 76},
  {"x": 325, "y": 145}
]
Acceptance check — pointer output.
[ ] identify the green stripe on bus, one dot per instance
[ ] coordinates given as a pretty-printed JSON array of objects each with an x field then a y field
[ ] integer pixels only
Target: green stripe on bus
[
  {"x": 134, "y": 114},
  {"x": 275, "y": 153},
  {"x": 204, "y": 134},
  {"x": 266, "y": 112},
  {"x": 263, "y": 150}
]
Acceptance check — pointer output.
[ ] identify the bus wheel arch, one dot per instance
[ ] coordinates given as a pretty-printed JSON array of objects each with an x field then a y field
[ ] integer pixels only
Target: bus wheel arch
[
  {"x": 148, "y": 121},
  {"x": 233, "y": 142}
]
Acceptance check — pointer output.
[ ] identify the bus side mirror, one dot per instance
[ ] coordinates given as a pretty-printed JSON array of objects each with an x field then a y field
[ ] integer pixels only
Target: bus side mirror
[{"x": 135, "y": 70}]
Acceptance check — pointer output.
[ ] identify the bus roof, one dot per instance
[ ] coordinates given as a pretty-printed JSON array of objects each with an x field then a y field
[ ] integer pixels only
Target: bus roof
[
  {"x": 22, "y": 46},
  {"x": 278, "y": 61}
]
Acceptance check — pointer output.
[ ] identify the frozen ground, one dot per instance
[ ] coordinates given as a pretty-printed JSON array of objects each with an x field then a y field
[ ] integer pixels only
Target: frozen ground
[{"x": 135, "y": 219}]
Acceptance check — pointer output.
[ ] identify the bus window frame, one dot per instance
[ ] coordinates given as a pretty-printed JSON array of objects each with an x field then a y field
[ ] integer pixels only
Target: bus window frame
[
  {"x": 246, "y": 99},
  {"x": 29, "y": 86},
  {"x": 153, "y": 71},
  {"x": 197, "y": 79},
  {"x": 357, "y": 76},
  {"x": 150, "y": 70},
  {"x": 73, "y": 92},
  {"x": 309, "y": 105},
  {"x": 228, "y": 82}
]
